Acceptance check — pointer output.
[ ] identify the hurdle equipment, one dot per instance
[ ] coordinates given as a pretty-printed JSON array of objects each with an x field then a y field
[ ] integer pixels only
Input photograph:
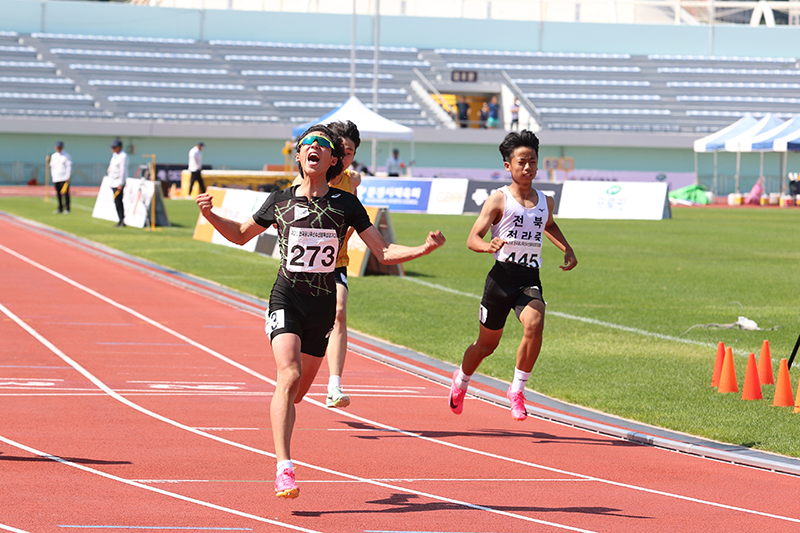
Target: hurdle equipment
[
  {"x": 727, "y": 377},
  {"x": 765, "y": 374},
  {"x": 783, "y": 387},
  {"x": 751, "y": 390}
]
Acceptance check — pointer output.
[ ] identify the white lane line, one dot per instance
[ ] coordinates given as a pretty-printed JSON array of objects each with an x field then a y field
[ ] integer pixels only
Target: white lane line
[
  {"x": 586, "y": 320},
  {"x": 13, "y": 529},
  {"x": 377, "y": 424},
  {"x": 153, "y": 489},
  {"x": 245, "y": 369},
  {"x": 179, "y": 425}
]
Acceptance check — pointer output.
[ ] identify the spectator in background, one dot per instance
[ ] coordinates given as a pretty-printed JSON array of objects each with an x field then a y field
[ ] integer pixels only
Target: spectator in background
[
  {"x": 117, "y": 174},
  {"x": 494, "y": 114},
  {"x": 393, "y": 164},
  {"x": 463, "y": 112},
  {"x": 61, "y": 171},
  {"x": 196, "y": 167},
  {"x": 483, "y": 116},
  {"x": 514, "y": 126}
]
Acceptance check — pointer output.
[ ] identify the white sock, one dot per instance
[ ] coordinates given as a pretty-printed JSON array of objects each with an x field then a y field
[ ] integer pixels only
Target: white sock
[
  {"x": 283, "y": 465},
  {"x": 462, "y": 380},
  {"x": 520, "y": 378},
  {"x": 334, "y": 381}
]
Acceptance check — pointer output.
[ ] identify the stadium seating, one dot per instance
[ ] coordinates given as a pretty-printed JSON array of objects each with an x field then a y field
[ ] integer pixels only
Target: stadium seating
[{"x": 107, "y": 77}]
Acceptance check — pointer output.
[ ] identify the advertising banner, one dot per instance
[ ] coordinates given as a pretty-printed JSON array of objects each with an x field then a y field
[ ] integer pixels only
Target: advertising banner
[
  {"x": 238, "y": 205},
  {"x": 397, "y": 194},
  {"x": 479, "y": 191},
  {"x": 137, "y": 196},
  {"x": 614, "y": 201},
  {"x": 447, "y": 196}
]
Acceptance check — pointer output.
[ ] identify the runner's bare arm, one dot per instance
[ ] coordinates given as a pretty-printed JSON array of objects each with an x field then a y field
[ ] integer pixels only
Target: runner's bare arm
[
  {"x": 392, "y": 254},
  {"x": 490, "y": 213},
  {"x": 236, "y": 232},
  {"x": 553, "y": 232}
]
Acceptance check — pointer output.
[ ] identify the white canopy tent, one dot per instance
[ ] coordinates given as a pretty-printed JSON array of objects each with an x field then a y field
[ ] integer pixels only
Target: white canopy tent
[
  {"x": 730, "y": 137},
  {"x": 371, "y": 125},
  {"x": 767, "y": 123}
]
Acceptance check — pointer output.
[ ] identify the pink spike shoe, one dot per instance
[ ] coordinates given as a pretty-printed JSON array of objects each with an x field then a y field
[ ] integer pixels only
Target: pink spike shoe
[
  {"x": 285, "y": 487},
  {"x": 517, "y": 400},
  {"x": 456, "y": 396}
]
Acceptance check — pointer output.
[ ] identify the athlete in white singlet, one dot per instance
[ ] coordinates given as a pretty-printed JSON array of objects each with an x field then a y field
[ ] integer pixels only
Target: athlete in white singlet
[{"x": 518, "y": 216}]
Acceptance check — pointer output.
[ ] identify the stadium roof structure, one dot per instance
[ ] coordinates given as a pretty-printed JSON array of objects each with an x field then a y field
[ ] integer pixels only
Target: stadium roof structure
[{"x": 371, "y": 125}]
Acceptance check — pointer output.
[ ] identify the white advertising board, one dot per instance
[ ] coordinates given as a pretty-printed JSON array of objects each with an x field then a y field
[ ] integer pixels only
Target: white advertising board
[
  {"x": 137, "y": 196},
  {"x": 447, "y": 196},
  {"x": 239, "y": 205},
  {"x": 614, "y": 201}
]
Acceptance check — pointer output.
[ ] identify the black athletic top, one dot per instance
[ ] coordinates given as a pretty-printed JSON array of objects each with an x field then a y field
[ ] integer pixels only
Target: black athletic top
[{"x": 310, "y": 233}]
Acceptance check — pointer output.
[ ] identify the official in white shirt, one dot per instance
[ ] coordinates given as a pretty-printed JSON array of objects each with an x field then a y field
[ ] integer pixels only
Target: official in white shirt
[
  {"x": 393, "y": 164},
  {"x": 196, "y": 167},
  {"x": 61, "y": 171},
  {"x": 118, "y": 172}
]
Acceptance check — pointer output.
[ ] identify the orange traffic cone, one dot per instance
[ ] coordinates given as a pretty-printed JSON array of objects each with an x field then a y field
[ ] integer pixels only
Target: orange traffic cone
[
  {"x": 727, "y": 377},
  {"x": 797, "y": 400},
  {"x": 718, "y": 364},
  {"x": 783, "y": 387},
  {"x": 765, "y": 365},
  {"x": 751, "y": 390}
]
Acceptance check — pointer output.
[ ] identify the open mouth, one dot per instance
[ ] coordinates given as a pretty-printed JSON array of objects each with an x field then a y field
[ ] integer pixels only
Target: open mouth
[{"x": 313, "y": 157}]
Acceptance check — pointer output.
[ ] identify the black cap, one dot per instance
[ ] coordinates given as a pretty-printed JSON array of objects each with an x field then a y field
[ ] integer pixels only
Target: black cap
[
  {"x": 201, "y": 143},
  {"x": 116, "y": 144},
  {"x": 59, "y": 144}
]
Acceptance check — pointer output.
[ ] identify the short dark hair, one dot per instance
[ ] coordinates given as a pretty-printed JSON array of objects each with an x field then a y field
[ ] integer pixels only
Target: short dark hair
[
  {"x": 337, "y": 152},
  {"x": 348, "y": 130},
  {"x": 515, "y": 139}
]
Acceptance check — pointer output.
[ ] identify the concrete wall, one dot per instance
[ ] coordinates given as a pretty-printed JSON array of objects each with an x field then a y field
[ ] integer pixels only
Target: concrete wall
[
  {"x": 101, "y": 18},
  {"x": 246, "y": 147}
]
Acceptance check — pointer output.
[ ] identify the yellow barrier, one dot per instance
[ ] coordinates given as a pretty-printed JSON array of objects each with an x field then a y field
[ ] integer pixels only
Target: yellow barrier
[{"x": 240, "y": 179}]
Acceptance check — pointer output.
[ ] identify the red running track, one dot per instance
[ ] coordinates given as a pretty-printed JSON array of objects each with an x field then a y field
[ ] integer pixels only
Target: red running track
[{"x": 132, "y": 400}]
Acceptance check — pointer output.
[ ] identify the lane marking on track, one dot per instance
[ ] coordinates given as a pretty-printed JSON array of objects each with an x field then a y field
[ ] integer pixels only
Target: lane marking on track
[
  {"x": 13, "y": 529},
  {"x": 586, "y": 320},
  {"x": 247, "y": 370},
  {"x": 221, "y": 357},
  {"x": 179, "y": 425}
]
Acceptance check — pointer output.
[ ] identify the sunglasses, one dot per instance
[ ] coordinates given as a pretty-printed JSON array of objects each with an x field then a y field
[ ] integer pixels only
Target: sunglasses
[{"x": 323, "y": 141}]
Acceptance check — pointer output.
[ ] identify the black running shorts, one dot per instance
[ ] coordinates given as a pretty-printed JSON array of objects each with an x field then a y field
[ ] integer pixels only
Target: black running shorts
[
  {"x": 341, "y": 276},
  {"x": 309, "y": 317},
  {"x": 508, "y": 286}
]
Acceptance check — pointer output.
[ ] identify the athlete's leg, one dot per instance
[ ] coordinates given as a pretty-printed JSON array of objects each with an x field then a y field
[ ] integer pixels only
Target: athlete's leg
[
  {"x": 337, "y": 345},
  {"x": 484, "y": 346},
  {"x": 532, "y": 319},
  {"x": 310, "y": 367},
  {"x": 286, "y": 349}
]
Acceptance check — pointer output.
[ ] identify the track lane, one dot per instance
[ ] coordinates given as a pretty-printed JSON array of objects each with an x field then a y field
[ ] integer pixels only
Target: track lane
[{"x": 438, "y": 428}]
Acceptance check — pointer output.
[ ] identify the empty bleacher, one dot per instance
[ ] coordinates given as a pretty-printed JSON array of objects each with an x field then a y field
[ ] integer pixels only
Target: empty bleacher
[{"x": 108, "y": 77}]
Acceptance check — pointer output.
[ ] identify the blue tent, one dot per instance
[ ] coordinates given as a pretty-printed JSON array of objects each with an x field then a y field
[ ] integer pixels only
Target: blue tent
[{"x": 716, "y": 141}]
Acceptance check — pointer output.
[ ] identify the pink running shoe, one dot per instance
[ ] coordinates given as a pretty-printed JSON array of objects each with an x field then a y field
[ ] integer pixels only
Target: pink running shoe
[
  {"x": 456, "y": 396},
  {"x": 517, "y": 400},
  {"x": 285, "y": 487}
]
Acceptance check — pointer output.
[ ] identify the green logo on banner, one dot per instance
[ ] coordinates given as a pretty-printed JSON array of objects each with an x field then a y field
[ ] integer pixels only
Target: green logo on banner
[{"x": 613, "y": 190}]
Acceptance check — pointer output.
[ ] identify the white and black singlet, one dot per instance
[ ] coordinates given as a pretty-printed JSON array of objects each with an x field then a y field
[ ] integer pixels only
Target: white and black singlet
[{"x": 513, "y": 282}]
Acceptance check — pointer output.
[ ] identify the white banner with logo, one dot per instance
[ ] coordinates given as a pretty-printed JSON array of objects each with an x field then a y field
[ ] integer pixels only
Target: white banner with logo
[{"x": 614, "y": 201}]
